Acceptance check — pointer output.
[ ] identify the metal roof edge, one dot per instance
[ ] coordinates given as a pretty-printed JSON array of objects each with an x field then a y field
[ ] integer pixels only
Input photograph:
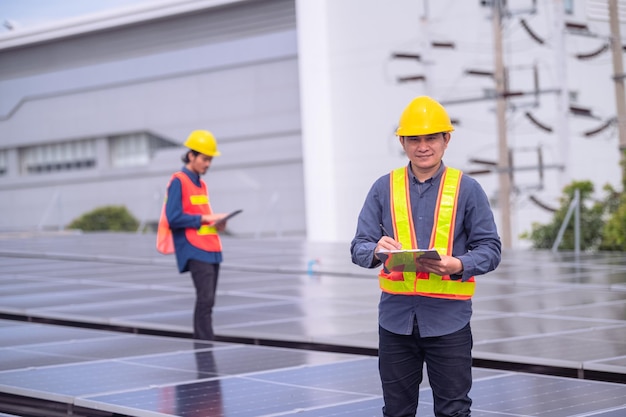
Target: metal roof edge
[{"x": 105, "y": 20}]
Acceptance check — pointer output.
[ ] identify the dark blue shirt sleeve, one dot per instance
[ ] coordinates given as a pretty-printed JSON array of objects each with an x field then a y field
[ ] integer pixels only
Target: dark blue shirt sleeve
[
  {"x": 174, "y": 209},
  {"x": 479, "y": 246},
  {"x": 368, "y": 231}
]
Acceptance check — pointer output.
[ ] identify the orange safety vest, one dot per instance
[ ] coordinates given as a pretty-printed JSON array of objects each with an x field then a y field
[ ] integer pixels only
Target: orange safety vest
[
  {"x": 195, "y": 200},
  {"x": 442, "y": 238}
]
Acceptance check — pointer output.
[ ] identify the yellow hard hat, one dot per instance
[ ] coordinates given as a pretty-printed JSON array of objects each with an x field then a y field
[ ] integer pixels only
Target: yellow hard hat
[
  {"x": 202, "y": 141},
  {"x": 424, "y": 116}
]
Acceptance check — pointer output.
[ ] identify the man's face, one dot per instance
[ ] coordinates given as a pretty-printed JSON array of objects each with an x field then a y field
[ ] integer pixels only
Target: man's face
[
  {"x": 425, "y": 152},
  {"x": 199, "y": 163}
]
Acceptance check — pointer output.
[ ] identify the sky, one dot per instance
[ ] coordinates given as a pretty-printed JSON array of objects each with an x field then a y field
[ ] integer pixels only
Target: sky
[{"x": 28, "y": 14}]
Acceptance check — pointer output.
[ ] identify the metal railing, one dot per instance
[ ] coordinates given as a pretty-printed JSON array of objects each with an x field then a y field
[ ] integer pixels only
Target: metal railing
[{"x": 574, "y": 207}]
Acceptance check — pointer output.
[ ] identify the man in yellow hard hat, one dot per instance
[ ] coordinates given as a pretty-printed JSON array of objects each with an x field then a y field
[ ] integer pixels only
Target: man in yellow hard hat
[
  {"x": 425, "y": 305},
  {"x": 194, "y": 227}
]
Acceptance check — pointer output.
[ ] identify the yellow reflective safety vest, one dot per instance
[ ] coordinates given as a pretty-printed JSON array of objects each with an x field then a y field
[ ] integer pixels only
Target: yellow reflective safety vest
[
  {"x": 442, "y": 238},
  {"x": 195, "y": 200}
]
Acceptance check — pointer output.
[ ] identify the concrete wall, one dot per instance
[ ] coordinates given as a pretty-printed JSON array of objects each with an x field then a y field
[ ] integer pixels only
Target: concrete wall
[
  {"x": 254, "y": 72},
  {"x": 356, "y": 112},
  {"x": 232, "y": 70}
]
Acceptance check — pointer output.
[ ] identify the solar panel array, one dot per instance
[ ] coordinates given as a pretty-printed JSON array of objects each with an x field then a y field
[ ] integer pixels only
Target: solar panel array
[{"x": 537, "y": 310}]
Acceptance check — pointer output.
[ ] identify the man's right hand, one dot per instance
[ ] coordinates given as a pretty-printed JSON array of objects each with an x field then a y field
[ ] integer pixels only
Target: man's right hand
[
  {"x": 212, "y": 218},
  {"x": 386, "y": 243}
]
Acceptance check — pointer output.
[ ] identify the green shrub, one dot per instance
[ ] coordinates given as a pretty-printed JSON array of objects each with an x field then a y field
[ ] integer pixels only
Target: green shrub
[
  {"x": 614, "y": 230},
  {"x": 114, "y": 218},
  {"x": 602, "y": 223},
  {"x": 591, "y": 221}
]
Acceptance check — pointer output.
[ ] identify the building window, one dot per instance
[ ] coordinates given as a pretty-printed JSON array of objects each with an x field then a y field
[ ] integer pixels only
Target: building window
[
  {"x": 57, "y": 157},
  {"x": 3, "y": 162},
  {"x": 135, "y": 149}
]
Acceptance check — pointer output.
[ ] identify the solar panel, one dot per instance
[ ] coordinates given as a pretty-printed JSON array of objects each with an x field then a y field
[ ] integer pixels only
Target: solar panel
[{"x": 536, "y": 311}]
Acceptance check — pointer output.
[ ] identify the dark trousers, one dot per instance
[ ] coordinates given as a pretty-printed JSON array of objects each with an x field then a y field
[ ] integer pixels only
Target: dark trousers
[
  {"x": 448, "y": 361},
  {"x": 204, "y": 277}
]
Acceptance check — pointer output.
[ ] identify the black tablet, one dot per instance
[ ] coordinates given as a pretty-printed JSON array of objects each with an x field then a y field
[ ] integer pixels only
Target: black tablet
[{"x": 228, "y": 216}]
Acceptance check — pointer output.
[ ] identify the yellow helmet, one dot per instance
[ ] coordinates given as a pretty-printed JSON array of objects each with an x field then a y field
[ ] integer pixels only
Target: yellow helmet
[
  {"x": 202, "y": 141},
  {"x": 424, "y": 116}
]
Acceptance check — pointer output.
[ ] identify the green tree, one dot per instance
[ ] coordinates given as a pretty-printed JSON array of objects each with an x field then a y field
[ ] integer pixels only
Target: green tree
[
  {"x": 591, "y": 221},
  {"x": 614, "y": 230},
  {"x": 114, "y": 218}
]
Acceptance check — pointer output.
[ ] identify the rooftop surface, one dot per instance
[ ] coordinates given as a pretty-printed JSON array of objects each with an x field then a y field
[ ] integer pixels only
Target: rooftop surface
[{"x": 297, "y": 327}]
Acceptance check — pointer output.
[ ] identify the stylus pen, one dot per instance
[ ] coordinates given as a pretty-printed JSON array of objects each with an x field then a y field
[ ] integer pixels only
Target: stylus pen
[{"x": 385, "y": 232}]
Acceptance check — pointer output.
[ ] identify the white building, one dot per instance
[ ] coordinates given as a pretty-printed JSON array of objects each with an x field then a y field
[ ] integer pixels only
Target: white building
[{"x": 304, "y": 97}]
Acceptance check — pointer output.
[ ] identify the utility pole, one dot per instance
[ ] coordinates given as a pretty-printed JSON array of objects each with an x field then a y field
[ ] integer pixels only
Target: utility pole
[
  {"x": 618, "y": 77},
  {"x": 504, "y": 171},
  {"x": 425, "y": 34},
  {"x": 560, "y": 65}
]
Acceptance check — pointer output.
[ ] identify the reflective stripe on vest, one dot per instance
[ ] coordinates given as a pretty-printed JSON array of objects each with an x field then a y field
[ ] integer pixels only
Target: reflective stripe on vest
[
  {"x": 195, "y": 201},
  {"x": 442, "y": 238}
]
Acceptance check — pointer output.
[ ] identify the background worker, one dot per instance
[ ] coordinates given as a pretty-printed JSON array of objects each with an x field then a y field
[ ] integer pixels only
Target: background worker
[
  {"x": 189, "y": 216},
  {"x": 425, "y": 310}
]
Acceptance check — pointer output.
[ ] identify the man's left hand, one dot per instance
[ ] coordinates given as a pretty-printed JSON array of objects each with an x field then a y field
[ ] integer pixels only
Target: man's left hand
[{"x": 448, "y": 265}]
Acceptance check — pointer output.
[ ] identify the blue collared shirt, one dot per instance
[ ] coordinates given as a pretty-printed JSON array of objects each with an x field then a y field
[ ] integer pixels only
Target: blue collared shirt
[
  {"x": 476, "y": 244},
  {"x": 180, "y": 221}
]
